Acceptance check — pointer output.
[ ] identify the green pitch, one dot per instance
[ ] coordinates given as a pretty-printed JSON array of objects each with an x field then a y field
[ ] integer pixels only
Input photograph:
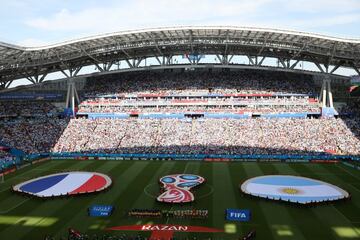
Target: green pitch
[{"x": 136, "y": 184}]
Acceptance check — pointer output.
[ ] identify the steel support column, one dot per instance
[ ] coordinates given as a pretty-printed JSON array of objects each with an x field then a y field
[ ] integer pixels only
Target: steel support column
[
  {"x": 326, "y": 98},
  {"x": 132, "y": 63},
  {"x": 330, "y": 96},
  {"x": 138, "y": 62},
  {"x": 42, "y": 77},
  {"x": 187, "y": 57},
  {"x": 335, "y": 68},
  {"x": 219, "y": 58},
  {"x": 30, "y": 80},
  {"x": 251, "y": 61},
  {"x": 322, "y": 97},
  {"x": 72, "y": 97},
  {"x": 167, "y": 60},
  {"x": 71, "y": 72},
  {"x": 357, "y": 70},
  {"x": 223, "y": 59},
  {"x": 282, "y": 62},
  {"x": 77, "y": 70},
  {"x": 98, "y": 67},
  {"x": 36, "y": 78},
  {"x": 261, "y": 61},
  {"x": 129, "y": 63},
  {"x": 254, "y": 60},
  {"x": 230, "y": 58},
  {"x": 157, "y": 58},
  {"x": 319, "y": 67},
  {"x": 126, "y": 53},
  {"x": 7, "y": 84},
  {"x": 65, "y": 74},
  {"x": 294, "y": 64},
  {"x": 326, "y": 66}
]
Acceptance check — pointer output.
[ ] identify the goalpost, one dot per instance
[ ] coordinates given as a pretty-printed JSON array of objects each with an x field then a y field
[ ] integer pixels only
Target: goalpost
[{"x": 2, "y": 178}]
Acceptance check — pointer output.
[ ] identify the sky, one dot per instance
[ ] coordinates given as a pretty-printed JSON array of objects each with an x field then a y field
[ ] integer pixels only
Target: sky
[
  {"x": 41, "y": 22},
  {"x": 33, "y": 23}
]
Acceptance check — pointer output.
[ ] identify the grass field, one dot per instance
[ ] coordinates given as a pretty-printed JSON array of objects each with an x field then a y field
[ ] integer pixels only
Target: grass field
[{"x": 136, "y": 185}]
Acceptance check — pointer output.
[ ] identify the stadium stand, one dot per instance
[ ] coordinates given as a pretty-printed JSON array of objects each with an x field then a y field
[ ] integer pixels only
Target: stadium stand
[
  {"x": 191, "y": 83},
  {"x": 6, "y": 159},
  {"x": 209, "y": 136},
  {"x": 205, "y": 104},
  {"x": 9, "y": 109},
  {"x": 204, "y": 92},
  {"x": 32, "y": 135}
]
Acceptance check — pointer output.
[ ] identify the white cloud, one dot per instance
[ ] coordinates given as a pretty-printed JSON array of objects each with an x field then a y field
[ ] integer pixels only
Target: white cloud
[
  {"x": 320, "y": 6},
  {"x": 304, "y": 15},
  {"x": 146, "y": 13},
  {"x": 32, "y": 42},
  {"x": 310, "y": 24},
  {"x": 327, "y": 21}
]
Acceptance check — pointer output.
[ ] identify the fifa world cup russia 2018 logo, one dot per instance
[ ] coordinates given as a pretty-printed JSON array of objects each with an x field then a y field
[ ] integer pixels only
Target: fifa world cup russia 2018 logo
[{"x": 177, "y": 188}]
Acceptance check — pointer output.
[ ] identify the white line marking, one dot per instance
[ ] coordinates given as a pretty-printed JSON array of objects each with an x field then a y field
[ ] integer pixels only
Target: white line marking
[
  {"x": 347, "y": 171},
  {"x": 10, "y": 209}
]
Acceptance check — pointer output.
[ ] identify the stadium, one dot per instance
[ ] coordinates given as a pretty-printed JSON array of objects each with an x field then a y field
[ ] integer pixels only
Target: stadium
[{"x": 219, "y": 132}]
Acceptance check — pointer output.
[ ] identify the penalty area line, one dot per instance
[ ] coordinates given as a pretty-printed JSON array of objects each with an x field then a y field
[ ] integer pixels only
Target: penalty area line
[
  {"x": 10, "y": 209},
  {"x": 347, "y": 171},
  {"x": 147, "y": 193},
  {"x": 6, "y": 189}
]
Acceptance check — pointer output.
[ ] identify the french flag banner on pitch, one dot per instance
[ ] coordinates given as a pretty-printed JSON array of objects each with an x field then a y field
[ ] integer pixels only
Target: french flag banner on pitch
[
  {"x": 69, "y": 183},
  {"x": 292, "y": 188}
]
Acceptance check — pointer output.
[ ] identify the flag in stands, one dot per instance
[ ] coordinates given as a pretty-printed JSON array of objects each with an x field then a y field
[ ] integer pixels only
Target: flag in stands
[{"x": 353, "y": 88}]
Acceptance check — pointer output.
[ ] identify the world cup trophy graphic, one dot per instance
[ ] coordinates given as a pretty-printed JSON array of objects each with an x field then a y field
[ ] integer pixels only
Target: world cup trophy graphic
[{"x": 177, "y": 188}]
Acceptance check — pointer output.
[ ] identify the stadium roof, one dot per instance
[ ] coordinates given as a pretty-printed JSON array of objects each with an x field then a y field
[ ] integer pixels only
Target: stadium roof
[{"x": 103, "y": 50}]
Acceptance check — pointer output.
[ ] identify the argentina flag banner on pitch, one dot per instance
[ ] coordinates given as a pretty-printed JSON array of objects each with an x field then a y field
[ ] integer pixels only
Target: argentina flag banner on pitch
[{"x": 292, "y": 188}]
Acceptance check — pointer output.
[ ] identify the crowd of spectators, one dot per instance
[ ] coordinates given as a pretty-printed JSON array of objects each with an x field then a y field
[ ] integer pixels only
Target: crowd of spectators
[
  {"x": 129, "y": 92},
  {"x": 351, "y": 108},
  {"x": 6, "y": 159},
  {"x": 173, "y": 100},
  {"x": 202, "y": 109},
  {"x": 156, "y": 213},
  {"x": 110, "y": 236},
  {"x": 33, "y": 127},
  {"x": 190, "y": 83},
  {"x": 30, "y": 126},
  {"x": 26, "y": 109},
  {"x": 76, "y": 235},
  {"x": 221, "y": 136},
  {"x": 210, "y": 136},
  {"x": 34, "y": 135},
  {"x": 4, "y": 154}
]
